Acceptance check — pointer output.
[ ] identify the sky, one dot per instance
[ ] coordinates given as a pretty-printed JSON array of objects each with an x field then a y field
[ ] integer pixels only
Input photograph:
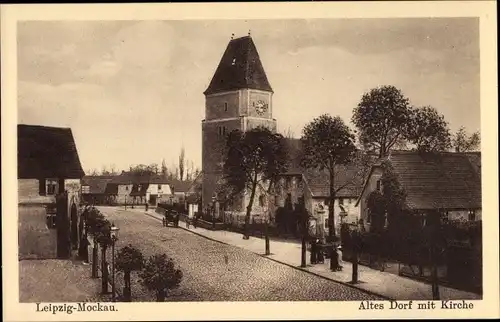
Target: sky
[{"x": 132, "y": 91}]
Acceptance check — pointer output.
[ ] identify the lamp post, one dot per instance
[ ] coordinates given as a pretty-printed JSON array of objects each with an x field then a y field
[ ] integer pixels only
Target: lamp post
[
  {"x": 114, "y": 238},
  {"x": 214, "y": 200}
]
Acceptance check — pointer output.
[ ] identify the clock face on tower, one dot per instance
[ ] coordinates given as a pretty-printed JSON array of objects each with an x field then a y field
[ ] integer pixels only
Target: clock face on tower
[{"x": 261, "y": 107}]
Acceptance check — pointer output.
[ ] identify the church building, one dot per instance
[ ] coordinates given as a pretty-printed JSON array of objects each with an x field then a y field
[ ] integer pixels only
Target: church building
[{"x": 238, "y": 97}]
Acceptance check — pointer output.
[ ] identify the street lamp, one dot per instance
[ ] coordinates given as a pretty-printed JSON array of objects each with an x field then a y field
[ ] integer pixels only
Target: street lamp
[
  {"x": 214, "y": 199},
  {"x": 114, "y": 238}
]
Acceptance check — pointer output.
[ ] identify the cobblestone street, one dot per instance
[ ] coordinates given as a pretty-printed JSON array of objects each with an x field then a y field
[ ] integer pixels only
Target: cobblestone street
[{"x": 207, "y": 276}]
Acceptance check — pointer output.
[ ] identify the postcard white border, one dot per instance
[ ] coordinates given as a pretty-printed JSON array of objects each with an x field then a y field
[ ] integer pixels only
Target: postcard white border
[{"x": 485, "y": 10}]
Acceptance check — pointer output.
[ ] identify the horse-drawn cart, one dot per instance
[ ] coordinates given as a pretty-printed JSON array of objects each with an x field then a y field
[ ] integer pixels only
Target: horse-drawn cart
[{"x": 171, "y": 216}]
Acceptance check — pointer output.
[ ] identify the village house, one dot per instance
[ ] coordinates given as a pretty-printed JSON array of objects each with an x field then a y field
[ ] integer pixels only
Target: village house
[
  {"x": 49, "y": 186},
  {"x": 193, "y": 195},
  {"x": 94, "y": 190},
  {"x": 448, "y": 182},
  {"x": 311, "y": 186},
  {"x": 136, "y": 189}
]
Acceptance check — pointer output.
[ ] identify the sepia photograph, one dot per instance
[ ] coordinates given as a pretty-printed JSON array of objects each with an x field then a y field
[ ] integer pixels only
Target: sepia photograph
[{"x": 249, "y": 160}]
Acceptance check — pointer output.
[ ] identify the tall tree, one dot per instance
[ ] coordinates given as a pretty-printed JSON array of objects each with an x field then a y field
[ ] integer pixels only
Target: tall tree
[
  {"x": 112, "y": 169},
  {"x": 463, "y": 142},
  {"x": 154, "y": 168},
  {"x": 142, "y": 169},
  {"x": 429, "y": 131},
  {"x": 253, "y": 159},
  {"x": 93, "y": 172},
  {"x": 327, "y": 144},
  {"x": 382, "y": 118},
  {"x": 182, "y": 163},
  {"x": 164, "y": 169}
]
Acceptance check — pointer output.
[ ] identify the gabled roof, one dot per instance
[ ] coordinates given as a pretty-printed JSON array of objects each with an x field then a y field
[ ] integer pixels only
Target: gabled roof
[
  {"x": 196, "y": 184},
  {"x": 135, "y": 178},
  {"x": 97, "y": 184},
  {"x": 111, "y": 189},
  {"x": 239, "y": 68},
  {"x": 445, "y": 180},
  {"x": 348, "y": 180},
  {"x": 47, "y": 152},
  {"x": 139, "y": 189},
  {"x": 180, "y": 186}
]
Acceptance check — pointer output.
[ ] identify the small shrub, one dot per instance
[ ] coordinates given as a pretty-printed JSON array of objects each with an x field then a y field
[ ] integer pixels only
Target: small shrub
[{"x": 160, "y": 275}]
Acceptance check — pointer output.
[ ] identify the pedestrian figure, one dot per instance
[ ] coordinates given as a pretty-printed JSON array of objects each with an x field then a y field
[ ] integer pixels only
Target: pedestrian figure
[
  {"x": 313, "y": 251},
  {"x": 339, "y": 258},
  {"x": 195, "y": 220},
  {"x": 84, "y": 250},
  {"x": 320, "y": 256},
  {"x": 334, "y": 258},
  {"x": 176, "y": 219}
]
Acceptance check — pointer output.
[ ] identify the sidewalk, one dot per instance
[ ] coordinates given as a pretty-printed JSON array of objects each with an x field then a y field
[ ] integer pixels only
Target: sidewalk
[
  {"x": 373, "y": 281},
  {"x": 56, "y": 280}
]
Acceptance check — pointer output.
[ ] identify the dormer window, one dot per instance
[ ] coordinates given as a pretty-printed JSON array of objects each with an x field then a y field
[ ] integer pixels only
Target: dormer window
[{"x": 234, "y": 62}]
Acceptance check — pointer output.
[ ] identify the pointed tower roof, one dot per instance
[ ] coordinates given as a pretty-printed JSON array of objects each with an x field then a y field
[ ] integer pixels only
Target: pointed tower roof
[{"x": 240, "y": 67}]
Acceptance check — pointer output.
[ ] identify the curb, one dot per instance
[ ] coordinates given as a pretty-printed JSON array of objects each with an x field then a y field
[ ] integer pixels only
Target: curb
[{"x": 286, "y": 264}]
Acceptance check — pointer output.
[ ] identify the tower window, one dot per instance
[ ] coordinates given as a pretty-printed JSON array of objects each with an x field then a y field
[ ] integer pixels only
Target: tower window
[
  {"x": 234, "y": 62},
  {"x": 225, "y": 106}
]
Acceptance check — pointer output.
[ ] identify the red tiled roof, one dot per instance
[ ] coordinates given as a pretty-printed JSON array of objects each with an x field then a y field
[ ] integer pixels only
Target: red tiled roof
[
  {"x": 240, "y": 67},
  {"x": 47, "y": 152},
  {"x": 445, "y": 180}
]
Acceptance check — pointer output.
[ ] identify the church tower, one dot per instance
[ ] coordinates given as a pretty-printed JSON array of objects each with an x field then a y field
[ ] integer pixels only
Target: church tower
[{"x": 238, "y": 97}]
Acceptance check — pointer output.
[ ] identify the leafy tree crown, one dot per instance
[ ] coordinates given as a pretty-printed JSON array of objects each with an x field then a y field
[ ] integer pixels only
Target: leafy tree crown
[
  {"x": 129, "y": 259},
  {"x": 159, "y": 273},
  {"x": 327, "y": 141}
]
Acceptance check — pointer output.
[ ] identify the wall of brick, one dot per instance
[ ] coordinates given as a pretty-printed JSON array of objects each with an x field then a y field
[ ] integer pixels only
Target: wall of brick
[
  {"x": 215, "y": 105},
  {"x": 251, "y": 123}
]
